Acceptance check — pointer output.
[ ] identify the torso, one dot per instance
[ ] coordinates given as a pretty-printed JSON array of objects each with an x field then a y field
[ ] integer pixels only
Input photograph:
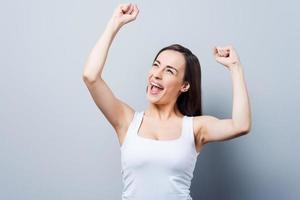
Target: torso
[{"x": 162, "y": 130}]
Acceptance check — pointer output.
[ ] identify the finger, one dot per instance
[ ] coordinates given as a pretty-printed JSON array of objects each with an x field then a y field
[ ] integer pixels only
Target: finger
[
  {"x": 130, "y": 10},
  {"x": 230, "y": 51},
  {"x": 225, "y": 49},
  {"x": 133, "y": 9},
  {"x": 215, "y": 51},
  {"x": 125, "y": 7},
  {"x": 220, "y": 51},
  {"x": 136, "y": 11},
  {"x": 129, "y": 7},
  {"x": 225, "y": 52}
]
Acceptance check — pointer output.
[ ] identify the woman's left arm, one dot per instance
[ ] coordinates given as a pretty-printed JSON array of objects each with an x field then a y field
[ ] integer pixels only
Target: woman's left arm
[{"x": 215, "y": 129}]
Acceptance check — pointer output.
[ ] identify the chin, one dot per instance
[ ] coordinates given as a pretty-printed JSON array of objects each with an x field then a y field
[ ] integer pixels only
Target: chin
[{"x": 154, "y": 98}]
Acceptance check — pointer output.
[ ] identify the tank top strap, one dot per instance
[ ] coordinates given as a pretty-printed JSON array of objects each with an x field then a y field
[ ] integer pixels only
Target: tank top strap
[
  {"x": 188, "y": 131},
  {"x": 189, "y": 128},
  {"x": 134, "y": 124},
  {"x": 138, "y": 116},
  {"x": 185, "y": 128},
  {"x": 132, "y": 128}
]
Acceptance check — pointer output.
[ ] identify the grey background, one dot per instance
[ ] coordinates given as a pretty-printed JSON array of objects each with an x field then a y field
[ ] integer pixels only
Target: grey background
[{"x": 56, "y": 144}]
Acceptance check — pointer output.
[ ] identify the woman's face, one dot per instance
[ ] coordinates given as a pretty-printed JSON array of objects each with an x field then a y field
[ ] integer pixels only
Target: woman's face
[{"x": 168, "y": 72}]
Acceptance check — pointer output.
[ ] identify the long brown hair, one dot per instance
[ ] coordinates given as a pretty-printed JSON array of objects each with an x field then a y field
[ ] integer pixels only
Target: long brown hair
[{"x": 190, "y": 102}]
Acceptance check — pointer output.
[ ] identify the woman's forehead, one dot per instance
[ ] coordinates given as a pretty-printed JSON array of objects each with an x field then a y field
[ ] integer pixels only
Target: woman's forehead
[{"x": 171, "y": 58}]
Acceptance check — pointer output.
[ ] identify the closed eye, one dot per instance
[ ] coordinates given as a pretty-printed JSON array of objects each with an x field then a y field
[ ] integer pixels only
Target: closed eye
[{"x": 168, "y": 70}]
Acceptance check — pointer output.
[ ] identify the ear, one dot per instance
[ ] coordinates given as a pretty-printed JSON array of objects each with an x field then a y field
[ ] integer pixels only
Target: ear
[{"x": 185, "y": 87}]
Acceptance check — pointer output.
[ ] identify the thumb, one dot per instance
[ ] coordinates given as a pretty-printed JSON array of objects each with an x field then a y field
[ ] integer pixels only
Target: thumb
[{"x": 214, "y": 51}]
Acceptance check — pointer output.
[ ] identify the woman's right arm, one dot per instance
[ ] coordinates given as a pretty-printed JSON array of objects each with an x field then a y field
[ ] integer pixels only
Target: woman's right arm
[{"x": 118, "y": 113}]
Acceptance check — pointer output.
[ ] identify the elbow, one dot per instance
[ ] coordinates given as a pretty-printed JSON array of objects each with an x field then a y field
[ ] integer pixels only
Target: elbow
[
  {"x": 88, "y": 78},
  {"x": 245, "y": 129}
]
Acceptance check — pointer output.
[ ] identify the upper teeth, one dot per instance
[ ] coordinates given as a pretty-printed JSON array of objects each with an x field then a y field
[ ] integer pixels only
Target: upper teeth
[{"x": 155, "y": 84}]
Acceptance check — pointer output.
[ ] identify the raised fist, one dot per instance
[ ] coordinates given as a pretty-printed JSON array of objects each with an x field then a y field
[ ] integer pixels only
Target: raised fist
[
  {"x": 125, "y": 13},
  {"x": 226, "y": 56}
]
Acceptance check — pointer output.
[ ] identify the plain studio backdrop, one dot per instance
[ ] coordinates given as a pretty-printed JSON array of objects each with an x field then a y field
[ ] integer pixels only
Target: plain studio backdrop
[{"x": 56, "y": 144}]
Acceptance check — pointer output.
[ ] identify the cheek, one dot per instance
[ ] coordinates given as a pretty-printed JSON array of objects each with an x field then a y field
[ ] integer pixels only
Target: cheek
[
  {"x": 149, "y": 73},
  {"x": 172, "y": 85}
]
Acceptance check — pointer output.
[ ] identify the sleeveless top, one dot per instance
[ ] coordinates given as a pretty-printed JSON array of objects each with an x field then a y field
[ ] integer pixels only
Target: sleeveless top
[{"x": 157, "y": 169}]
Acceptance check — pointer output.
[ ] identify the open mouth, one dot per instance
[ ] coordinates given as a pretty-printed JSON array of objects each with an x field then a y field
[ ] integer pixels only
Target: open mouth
[{"x": 155, "y": 89}]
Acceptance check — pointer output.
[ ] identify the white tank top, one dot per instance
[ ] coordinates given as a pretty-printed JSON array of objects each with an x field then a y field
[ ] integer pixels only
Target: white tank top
[{"x": 157, "y": 169}]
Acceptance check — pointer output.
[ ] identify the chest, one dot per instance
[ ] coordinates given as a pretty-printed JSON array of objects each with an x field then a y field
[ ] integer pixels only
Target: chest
[{"x": 160, "y": 130}]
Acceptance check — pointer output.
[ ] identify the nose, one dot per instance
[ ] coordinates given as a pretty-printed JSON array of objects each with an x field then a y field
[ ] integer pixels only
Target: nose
[{"x": 157, "y": 73}]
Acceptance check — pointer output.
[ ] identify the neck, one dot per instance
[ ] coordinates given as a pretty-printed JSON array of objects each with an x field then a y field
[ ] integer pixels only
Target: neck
[{"x": 162, "y": 112}]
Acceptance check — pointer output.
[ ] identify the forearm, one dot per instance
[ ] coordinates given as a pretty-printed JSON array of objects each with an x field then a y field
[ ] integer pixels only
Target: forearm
[
  {"x": 241, "y": 113},
  {"x": 96, "y": 59}
]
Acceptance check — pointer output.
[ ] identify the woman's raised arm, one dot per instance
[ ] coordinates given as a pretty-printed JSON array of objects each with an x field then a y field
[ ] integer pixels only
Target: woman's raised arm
[
  {"x": 116, "y": 112},
  {"x": 123, "y": 14},
  {"x": 239, "y": 124}
]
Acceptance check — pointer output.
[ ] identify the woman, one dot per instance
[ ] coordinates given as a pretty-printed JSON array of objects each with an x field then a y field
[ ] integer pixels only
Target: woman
[{"x": 159, "y": 146}]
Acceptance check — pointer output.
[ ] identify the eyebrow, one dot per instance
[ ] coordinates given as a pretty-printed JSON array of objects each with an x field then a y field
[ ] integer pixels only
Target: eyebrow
[{"x": 167, "y": 65}]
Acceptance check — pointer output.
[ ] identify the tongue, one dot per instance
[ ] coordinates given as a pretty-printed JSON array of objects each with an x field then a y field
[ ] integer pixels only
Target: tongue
[{"x": 156, "y": 90}]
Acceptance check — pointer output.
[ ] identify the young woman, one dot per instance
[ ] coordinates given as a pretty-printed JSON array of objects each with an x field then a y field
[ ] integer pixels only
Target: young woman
[{"x": 159, "y": 146}]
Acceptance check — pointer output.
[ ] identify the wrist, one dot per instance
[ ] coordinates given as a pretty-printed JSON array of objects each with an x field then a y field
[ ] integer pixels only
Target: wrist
[
  {"x": 113, "y": 25},
  {"x": 234, "y": 66},
  {"x": 236, "y": 69}
]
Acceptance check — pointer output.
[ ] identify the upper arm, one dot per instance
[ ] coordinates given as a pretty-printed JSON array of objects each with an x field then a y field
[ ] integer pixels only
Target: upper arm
[
  {"x": 215, "y": 129},
  {"x": 118, "y": 113}
]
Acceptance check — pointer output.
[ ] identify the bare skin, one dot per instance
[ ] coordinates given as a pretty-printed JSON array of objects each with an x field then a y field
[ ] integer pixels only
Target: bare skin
[{"x": 162, "y": 120}]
